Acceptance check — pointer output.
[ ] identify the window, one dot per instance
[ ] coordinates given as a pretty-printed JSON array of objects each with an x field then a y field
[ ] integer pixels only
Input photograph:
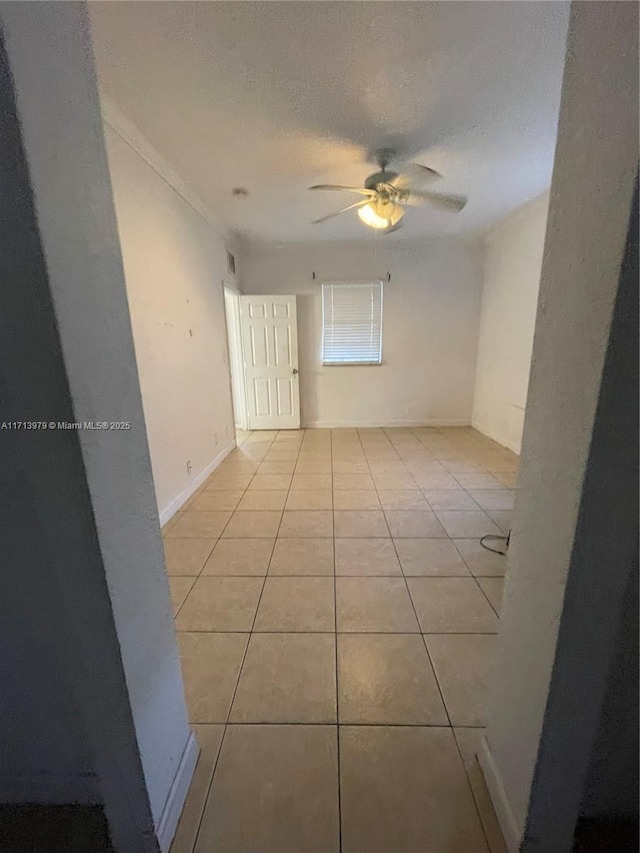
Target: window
[{"x": 352, "y": 323}]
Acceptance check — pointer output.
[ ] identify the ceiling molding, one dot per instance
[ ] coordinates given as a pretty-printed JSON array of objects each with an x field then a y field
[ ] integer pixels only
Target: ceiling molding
[{"x": 119, "y": 123}]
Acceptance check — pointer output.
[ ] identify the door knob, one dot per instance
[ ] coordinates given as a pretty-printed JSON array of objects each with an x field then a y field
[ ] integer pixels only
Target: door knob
[{"x": 295, "y": 371}]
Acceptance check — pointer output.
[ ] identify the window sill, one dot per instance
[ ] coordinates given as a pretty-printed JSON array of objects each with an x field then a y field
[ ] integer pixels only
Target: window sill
[{"x": 352, "y": 364}]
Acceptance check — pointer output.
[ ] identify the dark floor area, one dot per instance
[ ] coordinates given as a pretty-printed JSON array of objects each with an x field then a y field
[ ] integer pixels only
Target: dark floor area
[
  {"x": 603, "y": 836},
  {"x": 29, "y": 828}
]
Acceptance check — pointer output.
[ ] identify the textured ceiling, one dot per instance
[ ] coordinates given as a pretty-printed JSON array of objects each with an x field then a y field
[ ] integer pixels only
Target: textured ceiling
[{"x": 276, "y": 96}]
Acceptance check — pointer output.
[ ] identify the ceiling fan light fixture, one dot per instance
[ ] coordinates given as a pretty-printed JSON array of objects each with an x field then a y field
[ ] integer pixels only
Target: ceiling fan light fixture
[
  {"x": 369, "y": 215},
  {"x": 387, "y": 192},
  {"x": 380, "y": 215}
]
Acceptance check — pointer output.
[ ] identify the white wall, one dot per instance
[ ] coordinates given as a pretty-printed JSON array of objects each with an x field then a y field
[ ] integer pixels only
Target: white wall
[
  {"x": 430, "y": 328},
  {"x": 513, "y": 260},
  {"x": 92, "y": 524},
  {"x": 574, "y": 532},
  {"x": 175, "y": 262}
]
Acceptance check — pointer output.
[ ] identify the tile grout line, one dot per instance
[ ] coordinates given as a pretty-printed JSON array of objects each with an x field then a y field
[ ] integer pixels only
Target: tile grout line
[
  {"x": 479, "y": 585},
  {"x": 335, "y": 619},
  {"x": 369, "y": 457},
  {"x": 175, "y": 615},
  {"x": 206, "y": 560},
  {"x": 328, "y": 633},
  {"x": 210, "y": 786},
  {"x": 424, "y": 642},
  {"x": 473, "y": 793},
  {"x": 226, "y": 723},
  {"x": 331, "y": 724},
  {"x": 346, "y": 539}
]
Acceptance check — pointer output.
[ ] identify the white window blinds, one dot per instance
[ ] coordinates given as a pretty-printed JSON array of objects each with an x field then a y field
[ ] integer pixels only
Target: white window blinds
[{"x": 352, "y": 323}]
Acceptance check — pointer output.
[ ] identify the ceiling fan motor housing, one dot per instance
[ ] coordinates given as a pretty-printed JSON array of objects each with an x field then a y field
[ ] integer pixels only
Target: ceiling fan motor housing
[{"x": 383, "y": 177}]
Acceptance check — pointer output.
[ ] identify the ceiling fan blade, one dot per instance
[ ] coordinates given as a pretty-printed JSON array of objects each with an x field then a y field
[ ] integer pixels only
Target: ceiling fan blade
[
  {"x": 399, "y": 224},
  {"x": 338, "y": 212},
  {"x": 415, "y": 175},
  {"x": 454, "y": 203},
  {"x": 360, "y": 190}
]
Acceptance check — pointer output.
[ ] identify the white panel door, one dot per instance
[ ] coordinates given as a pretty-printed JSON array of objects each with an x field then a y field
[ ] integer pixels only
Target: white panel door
[{"x": 270, "y": 345}]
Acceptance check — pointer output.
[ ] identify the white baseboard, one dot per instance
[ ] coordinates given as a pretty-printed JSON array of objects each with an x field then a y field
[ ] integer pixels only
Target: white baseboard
[
  {"x": 386, "y": 423},
  {"x": 170, "y": 510},
  {"x": 58, "y": 789},
  {"x": 498, "y": 794},
  {"x": 172, "y": 810}
]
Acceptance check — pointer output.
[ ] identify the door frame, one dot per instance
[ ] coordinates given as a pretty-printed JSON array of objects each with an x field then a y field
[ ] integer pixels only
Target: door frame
[{"x": 237, "y": 380}]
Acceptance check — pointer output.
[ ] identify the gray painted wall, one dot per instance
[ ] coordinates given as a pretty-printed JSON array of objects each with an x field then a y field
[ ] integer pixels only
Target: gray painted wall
[
  {"x": 44, "y": 746},
  {"x": 556, "y": 640},
  {"x": 596, "y": 643},
  {"x": 611, "y": 786},
  {"x": 129, "y": 691},
  {"x": 67, "y": 730}
]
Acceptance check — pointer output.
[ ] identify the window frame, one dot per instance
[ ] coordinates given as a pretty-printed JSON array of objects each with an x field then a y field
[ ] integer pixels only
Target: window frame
[{"x": 351, "y": 283}]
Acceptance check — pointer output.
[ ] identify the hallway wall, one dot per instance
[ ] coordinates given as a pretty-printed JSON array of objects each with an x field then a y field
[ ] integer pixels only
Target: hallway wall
[
  {"x": 512, "y": 264},
  {"x": 575, "y": 528},
  {"x": 430, "y": 328},
  {"x": 94, "y": 694},
  {"x": 175, "y": 262}
]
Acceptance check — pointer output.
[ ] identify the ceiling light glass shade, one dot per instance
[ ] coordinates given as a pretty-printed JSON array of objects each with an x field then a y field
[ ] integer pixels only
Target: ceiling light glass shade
[{"x": 381, "y": 214}]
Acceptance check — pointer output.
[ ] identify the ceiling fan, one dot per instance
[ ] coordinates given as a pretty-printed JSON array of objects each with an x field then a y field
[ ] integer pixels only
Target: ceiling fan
[{"x": 385, "y": 192}]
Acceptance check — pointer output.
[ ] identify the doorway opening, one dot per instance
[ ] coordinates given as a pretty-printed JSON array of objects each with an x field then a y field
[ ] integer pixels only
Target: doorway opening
[
  {"x": 263, "y": 360},
  {"x": 236, "y": 365}
]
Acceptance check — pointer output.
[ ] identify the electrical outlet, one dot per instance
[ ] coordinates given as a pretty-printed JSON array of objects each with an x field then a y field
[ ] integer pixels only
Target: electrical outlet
[
  {"x": 409, "y": 410},
  {"x": 215, "y": 437},
  {"x": 188, "y": 466}
]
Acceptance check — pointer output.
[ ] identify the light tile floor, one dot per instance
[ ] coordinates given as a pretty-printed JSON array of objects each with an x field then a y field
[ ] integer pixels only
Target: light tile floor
[{"x": 336, "y": 620}]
